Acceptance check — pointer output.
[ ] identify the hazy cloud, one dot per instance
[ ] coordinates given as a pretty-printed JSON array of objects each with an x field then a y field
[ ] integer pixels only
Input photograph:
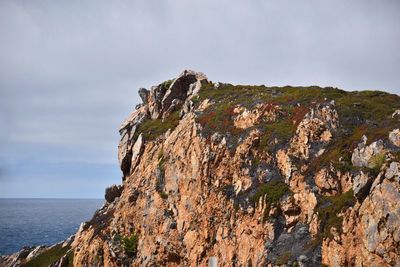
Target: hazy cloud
[{"x": 69, "y": 70}]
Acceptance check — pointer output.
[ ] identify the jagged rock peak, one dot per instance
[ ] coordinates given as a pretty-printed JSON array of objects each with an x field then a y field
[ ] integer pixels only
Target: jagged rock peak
[{"x": 158, "y": 103}]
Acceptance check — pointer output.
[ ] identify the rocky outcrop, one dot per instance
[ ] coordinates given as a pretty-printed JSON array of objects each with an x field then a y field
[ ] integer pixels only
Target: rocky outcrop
[
  {"x": 262, "y": 112},
  {"x": 250, "y": 176},
  {"x": 363, "y": 154},
  {"x": 20, "y": 257},
  {"x": 315, "y": 131},
  {"x": 158, "y": 103},
  {"x": 41, "y": 255},
  {"x": 394, "y": 137},
  {"x": 380, "y": 220}
]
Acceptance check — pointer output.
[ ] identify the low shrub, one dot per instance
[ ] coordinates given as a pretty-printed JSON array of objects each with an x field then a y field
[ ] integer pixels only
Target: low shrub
[
  {"x": 376, "y": 162},
  {"x": 328, "y": 209},
  {"x": 151, "y": 129},
  {"x": 273, "y": 192},
  {"x": 130, "y": 244}
]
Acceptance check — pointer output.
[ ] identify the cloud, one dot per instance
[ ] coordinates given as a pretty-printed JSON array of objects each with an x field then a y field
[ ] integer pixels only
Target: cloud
[{"x": 70, "y": 70}]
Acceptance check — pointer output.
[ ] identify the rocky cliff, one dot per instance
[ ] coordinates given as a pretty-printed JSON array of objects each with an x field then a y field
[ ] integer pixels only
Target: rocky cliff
[{"x": 228, "y": 175}]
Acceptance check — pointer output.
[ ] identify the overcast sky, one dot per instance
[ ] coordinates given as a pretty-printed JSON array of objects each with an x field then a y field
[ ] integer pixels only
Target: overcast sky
[{"x": 70, "y": 70}]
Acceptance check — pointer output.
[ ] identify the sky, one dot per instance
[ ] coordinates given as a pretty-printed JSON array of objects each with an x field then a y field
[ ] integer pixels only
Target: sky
[{"x": 70, "y": 70}]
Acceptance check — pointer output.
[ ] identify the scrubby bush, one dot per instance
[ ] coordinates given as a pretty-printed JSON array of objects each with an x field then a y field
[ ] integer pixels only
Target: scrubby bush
[
  {"x": 328, "y": 209},
  {"x": 376, "y": 162},
  {"x": 130, "y": 244},
  {"x": 273, "y": 192},
  {"x": 151, "y": 129}
]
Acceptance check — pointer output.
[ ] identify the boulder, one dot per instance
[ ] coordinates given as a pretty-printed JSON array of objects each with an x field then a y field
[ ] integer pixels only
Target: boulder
[{"x": 363, "y": 154}]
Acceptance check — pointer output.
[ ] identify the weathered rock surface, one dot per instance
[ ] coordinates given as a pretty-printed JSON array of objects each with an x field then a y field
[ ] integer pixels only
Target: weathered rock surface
[
  {"x": 363, "y": 154},
  {"x": 315, "y": 131},
  {"x": 250, "y": 176},
  {"x": 20, "y": 257},
  {"x": 394, "y": 137},
  {"x": 262, "y": 112}
]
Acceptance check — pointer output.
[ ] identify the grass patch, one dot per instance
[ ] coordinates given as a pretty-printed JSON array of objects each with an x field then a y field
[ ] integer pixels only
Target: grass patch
[
  {"x": 167, "y": 83},
  {"x": 282, "y": 129},
  {"x": 161, "y": 175},
  {"x": 130, "y": 244},
  {"x": 328, "y": 209},
  {"x": 376, "y": 162},
  {"x": 49, "y": 257},
  {"x": 273, "y": 192},
  {"x": 151, "y": 129},
  {"x": 360, "y": 113},
  {"x": 70, "y": 256},
  {"x": 219, "y": 118}
]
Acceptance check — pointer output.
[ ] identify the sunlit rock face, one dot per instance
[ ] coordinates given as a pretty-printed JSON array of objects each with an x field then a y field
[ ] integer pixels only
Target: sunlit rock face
[{"x": 251, "y": 176}]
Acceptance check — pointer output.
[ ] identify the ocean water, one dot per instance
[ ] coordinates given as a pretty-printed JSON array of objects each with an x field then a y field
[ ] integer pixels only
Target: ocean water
[{"x": 28, "y": 222}]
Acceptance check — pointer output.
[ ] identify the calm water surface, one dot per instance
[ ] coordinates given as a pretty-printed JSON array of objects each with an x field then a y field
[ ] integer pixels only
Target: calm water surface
[{"x": 28, "y": 222}]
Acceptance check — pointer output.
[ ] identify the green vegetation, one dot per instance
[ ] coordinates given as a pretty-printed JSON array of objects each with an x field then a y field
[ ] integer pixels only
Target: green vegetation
[
  {"x": 167, "y": 83},
  {"x": 163, "y": 195},
  {"x": 372, "y": 106},
  {"x": 161, "y": 160},
  {"x": 328, "y": 209},
  {"x": 160, "y": 177},
  {"x": 360, "y": 113},
  {"x": 219, "y": 118},
  {"x": 376, "y": 162},
  {"x": 366, "y": 112},
  {"x": 284, "y": 258},
  {"x": 70, "y": 256},
  {"x": 50, "y": 256},
  {"x": 273, "y": 192},
  {"x": 340, "y": 148},
  {"x": 282, "y": 129},
  {"x": 151, "y": 129},
  {"x": 130, "y": 244},
  {"x": 236, "y": 207}
]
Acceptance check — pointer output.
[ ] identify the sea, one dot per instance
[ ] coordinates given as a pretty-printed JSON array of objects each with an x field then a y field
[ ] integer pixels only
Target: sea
[{"x": 31, "y": 222}]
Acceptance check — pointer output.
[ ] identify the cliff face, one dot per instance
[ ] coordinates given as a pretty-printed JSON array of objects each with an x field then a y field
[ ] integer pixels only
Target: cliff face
[{"x": 251, "y": 176}]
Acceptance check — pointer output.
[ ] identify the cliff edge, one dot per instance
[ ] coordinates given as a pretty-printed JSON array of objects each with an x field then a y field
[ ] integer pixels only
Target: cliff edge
[{"x": 240, "y": 175}]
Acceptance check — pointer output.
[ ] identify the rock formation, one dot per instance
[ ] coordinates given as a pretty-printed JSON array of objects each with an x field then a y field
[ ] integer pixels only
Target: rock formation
[{"x": 251, "y": 176}]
